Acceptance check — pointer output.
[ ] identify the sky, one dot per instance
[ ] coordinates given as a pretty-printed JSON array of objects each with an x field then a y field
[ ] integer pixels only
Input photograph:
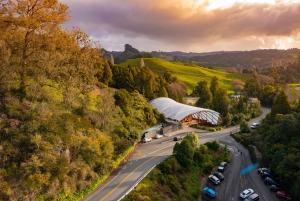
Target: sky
[{"x": 188, "y": 25}]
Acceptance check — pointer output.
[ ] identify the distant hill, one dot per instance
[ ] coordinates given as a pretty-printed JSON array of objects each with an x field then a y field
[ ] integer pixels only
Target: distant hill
[
  {"x": 188, "y": 73},
  {"x": 249, "y": 59}
]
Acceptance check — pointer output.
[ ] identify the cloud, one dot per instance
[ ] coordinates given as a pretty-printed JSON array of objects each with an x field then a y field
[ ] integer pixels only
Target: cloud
[{"x": 185, "y": 26}]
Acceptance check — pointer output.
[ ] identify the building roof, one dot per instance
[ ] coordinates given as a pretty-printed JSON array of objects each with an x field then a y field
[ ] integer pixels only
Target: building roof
[{"x": 178, "y": 111}]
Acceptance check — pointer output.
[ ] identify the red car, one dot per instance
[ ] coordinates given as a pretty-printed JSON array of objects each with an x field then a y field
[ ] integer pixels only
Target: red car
[{"x": 283, "y": 195}]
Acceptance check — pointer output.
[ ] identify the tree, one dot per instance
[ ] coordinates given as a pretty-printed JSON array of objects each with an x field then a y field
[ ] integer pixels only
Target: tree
[
  {"x": 252, "y": 87},
  {"x": 237, "y": 85},
  {"x": 268, "y": 95},
  {"x": 107, "y": 73},
  {"x": 281, "y": 105},
  {"x": 124, "y": 100},
  {"x": 177, "y": 91},
  {"x": 214, "y": 85},
  {"x": 244, "y": 127},
  {"x": 220, "y": 102},
  {"x": 184, "y": 153},
  {"x": 30, "y": 26},
  {"x": 204, "y": 94},
  {"x": 193, "y": 139}
]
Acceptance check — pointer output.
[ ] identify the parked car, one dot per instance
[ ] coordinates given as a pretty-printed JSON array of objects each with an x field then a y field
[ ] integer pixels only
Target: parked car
[
  {"x": 214, "y": 179},
  {"x": 253, "y": 197},
  {"x": 177, "y": 138},
  {"x": 254, "y": 125},
  {"x": 147, "y": 139},
  {"x": 274, "y": 188},
  {"x": 283, "y": 195},
  {"x": 222, "y": 167},
  {"x": 158, "y": 136},
  {"x": 219, "y": 175},
  {"x": 270, "y": 181},
  {"x": 264, "y": 169},
  {"x": 246, "y": 193},
  {"x": 265, "y": 174},
  {"x": 209, "y": 192}
]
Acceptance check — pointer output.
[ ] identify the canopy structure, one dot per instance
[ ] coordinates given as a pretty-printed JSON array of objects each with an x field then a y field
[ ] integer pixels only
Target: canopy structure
[{"x": 183, "y": 113}]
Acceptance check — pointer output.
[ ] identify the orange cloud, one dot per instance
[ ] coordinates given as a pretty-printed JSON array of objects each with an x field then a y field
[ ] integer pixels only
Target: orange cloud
[{"x": 186, "y": 26}]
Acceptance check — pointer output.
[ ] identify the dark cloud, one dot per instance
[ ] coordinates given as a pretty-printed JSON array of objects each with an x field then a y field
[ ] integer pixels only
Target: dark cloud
[{"x": 172, "y": 23}]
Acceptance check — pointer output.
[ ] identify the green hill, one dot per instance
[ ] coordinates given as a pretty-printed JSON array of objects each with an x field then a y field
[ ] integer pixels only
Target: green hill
[{"x": 188, "y": 73}]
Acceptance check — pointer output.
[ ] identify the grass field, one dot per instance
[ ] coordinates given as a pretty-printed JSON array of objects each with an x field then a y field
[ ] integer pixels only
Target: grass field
[{"x": 188, "y": 73}]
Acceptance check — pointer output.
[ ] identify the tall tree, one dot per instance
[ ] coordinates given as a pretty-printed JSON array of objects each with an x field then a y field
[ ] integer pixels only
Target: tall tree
[
  {"x": 252, "y": 87},
  {"x": 204, "y": 94},
  {"x": 220, "y": 102},
  {"x": 30, "y": 26},
  {"x": 281, "y": 105},
  {"x": 214, "y": 85}
]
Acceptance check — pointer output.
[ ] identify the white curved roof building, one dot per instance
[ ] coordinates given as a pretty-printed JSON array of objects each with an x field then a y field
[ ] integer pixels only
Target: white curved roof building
[{"x": 178, "y": 111}]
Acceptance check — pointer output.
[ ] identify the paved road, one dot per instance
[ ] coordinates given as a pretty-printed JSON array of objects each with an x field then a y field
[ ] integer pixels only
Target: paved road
[
  {"x": 234, "y": 183},
  {"x": 150, "y": 154}
]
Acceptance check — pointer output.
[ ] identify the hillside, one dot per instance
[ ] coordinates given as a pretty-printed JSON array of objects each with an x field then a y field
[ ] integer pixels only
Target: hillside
[
  {"x": 249, "y": 59},
  {"x": 188, "y": 73}
]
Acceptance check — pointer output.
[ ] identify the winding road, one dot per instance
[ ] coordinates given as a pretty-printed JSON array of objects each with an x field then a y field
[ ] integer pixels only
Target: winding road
[{"x": 147, "y": 156}]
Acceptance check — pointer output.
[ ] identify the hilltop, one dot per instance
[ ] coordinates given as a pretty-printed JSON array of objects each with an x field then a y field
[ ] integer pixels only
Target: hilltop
[{"x": 262, "y": 58}]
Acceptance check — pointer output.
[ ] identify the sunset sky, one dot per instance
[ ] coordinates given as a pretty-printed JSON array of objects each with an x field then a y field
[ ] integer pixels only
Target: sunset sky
[{"x": 189, "y": 25}]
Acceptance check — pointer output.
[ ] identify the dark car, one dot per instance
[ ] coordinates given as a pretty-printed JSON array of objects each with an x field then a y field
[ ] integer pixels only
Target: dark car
[
  {"x": 219, "y": 175},
  {"x": 270, "y": 181},
  {"x": 283, "y": 195},
  {"x": 177, "y": 138},
  {"x": 274, "y": 188},
  {"x": 222, "y": 167},
  {"x": 265, "y": 174}
]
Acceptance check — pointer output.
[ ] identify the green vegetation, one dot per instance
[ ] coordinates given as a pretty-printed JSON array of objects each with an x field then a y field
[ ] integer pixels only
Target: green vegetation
[
  {"x": 179, "y": 176},
  {"x": 278, "y": 139},
  {"x": 62, "y": 128},
  {"x": 188, "y": 73}
]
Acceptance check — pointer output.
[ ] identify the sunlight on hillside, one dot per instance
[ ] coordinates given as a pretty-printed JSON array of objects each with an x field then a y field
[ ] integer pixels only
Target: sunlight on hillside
[{"x": 189, "y": 73}]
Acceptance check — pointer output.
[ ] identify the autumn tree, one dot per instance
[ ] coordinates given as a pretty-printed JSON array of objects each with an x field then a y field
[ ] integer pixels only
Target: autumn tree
[
  {"x": 177, "y": 91},
  {"x": 28, "y": 27},
  {"x": 237, "y": 85}
]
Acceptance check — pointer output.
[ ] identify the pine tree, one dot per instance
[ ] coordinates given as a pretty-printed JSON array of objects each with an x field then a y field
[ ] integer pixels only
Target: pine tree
[{"x": 214, "y": 85}]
